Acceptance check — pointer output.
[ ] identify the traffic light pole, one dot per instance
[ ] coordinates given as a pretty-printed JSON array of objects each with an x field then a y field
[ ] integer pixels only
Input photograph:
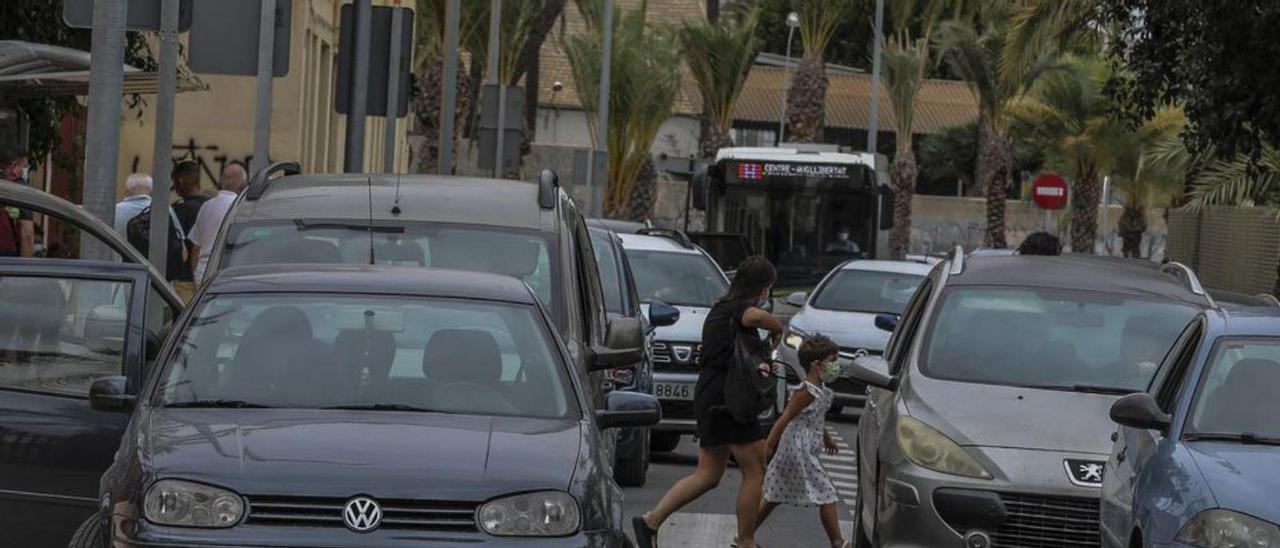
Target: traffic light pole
[
  {"x": 162, "y": 156},
  {"x": 102, "y": 139}
]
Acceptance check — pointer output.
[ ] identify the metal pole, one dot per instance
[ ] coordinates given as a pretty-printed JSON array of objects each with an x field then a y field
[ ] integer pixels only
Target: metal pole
[
  {"x": 449, "y": 97},
  {"x": 782, "y": 116},
  {"x": 162, "y": 157},
  {"x": 362, "y": 18},
  {"x": 266, "y": 59},
  {"x": 602, "y": 134},
  {"x": 102, "y": 142},
  {"x": 393, "y": 92},
  {"x": 873, "y": 126},
  {"x": 495, "y": 58}
]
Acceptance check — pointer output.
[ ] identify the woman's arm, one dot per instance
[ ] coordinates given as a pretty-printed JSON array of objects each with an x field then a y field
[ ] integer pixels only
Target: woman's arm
[
  {"x": 760, "y": 318},
  {"x": 798, "y": 403}
]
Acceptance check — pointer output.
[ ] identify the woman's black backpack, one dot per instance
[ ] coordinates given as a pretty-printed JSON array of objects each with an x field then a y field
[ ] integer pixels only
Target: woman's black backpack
[
  {"x": 138, "y": 232},
  {"x": 747, "y": 391}
]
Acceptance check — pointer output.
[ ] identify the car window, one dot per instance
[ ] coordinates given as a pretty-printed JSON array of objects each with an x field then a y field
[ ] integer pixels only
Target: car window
[
  {"x": 1177, "y": 364},
  {"x": 58, "y": 335},
  {"x": 610, "y": 277},
  {"x": 908, "y": 325},
  {"x": 867, "y": 291},
  {"x": 522, "y": 254},
  {"x": 1051, "y": 338},
  {"x": 1237, "y": 391},
  {"x": 319, "y": 351},
  {"x": 589, "y": 282},
  {"x": 686, "y": 279}
]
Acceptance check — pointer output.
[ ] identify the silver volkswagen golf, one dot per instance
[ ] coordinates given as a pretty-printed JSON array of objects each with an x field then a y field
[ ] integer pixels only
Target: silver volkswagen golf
[{"x": 986, "y": 423}]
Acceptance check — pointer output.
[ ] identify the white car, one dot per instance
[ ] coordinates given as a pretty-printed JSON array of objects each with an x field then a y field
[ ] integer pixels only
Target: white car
[{"x": 845, "y": 307}]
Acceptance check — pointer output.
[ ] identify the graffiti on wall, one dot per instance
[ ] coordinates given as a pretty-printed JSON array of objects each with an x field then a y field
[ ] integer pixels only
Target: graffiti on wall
[{"x": 209, "y": 157}]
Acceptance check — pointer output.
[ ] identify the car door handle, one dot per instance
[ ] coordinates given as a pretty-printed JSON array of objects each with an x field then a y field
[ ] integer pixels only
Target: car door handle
[{"x": 1115, "y": 436}]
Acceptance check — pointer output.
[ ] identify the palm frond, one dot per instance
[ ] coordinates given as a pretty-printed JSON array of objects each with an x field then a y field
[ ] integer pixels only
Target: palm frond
[
  {"x": 1236, "y": 181},
  {"x": 1039, "y": 27},
  {"x": 818, "y": 22},
  {"x": 720, "y": 55},
  {"x": 903, "y": 74}
]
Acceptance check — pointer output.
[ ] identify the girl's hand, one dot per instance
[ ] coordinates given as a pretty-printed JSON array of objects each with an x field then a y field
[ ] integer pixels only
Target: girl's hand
[{"x": 830, "y": 444}]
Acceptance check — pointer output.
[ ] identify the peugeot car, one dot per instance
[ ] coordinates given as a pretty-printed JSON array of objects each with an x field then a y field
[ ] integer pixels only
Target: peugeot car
[
  {"x": 366, "y": 406},
  {"x": 844, "y": 307},
  {"x": 1196, "y": 461},
  {"x": 987, "y": 419}
]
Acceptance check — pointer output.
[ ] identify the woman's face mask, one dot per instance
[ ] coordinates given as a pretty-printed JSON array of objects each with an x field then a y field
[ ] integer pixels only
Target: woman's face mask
[{"x": 831, "y": 371}]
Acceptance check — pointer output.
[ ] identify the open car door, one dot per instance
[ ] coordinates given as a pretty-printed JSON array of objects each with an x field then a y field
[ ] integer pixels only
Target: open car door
[{"x": 63, "y": 324}]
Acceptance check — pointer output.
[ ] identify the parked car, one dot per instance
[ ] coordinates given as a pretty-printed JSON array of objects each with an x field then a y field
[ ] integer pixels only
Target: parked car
[
  {"x": 621, "y": 300},
  {"x": 673, "y": 271},
  {"x": 1196, "y": 461},
  {"x": 844, "y": 307},
  {"x": 64, "y": 323},
  {"x": 986, "y": 421},
  {"x": 531, "y": 231}
]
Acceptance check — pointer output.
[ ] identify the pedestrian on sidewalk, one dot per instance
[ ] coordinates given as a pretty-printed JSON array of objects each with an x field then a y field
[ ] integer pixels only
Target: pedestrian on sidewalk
[
  {"x": 738, "y": 313},
  {"x": 205, "y": 230},
  {"x": 796, "y": 475}
]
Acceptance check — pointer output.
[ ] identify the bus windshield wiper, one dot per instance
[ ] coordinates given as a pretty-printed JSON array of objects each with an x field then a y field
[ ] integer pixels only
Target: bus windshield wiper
[
  {"x": 1097, "y": 389},
  {"x": 230, "y": 404},
  {"x": 1248, "y": 438},
  {"x": 383, "y": 407}
]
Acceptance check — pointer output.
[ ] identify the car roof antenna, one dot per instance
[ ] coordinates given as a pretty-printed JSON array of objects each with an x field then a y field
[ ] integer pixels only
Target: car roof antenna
[
  {"x": 395, "y": 208},
  {"x": 369, "y": 186}
]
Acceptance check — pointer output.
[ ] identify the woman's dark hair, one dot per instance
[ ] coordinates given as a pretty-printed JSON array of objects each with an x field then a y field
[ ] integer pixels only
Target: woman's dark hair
[
  {"x": 1040, "y": 243},
  {"x": 754, "y": 274}
]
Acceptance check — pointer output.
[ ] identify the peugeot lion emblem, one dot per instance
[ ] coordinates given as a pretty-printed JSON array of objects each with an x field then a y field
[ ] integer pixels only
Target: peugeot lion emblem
[
  {"x": 1085, "y": 473},
  {"x": 362, "y": 514}
]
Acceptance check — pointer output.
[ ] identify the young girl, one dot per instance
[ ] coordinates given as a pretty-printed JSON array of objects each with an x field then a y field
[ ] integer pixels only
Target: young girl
[{"x": 795, "y": 474}]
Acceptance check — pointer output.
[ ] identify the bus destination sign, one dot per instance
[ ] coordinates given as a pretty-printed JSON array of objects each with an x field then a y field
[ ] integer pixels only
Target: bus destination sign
[{"x": 759, "y": 171}]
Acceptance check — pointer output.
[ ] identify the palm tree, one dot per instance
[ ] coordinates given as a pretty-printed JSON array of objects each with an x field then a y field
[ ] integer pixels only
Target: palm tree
[
  {"x": 1238, "y": 180},
  {"x": 904, "y": 61},
  {"x": 429, "y": 69},
  {"x": 720, "y": 55},
  {"x": 806, "y": 100},
  {"x": 1046, "y": 27},
  {"x": 1141, "y": 181},
  {"x": 645, "y": 80},
  {"x": 1067, "y": 113}
]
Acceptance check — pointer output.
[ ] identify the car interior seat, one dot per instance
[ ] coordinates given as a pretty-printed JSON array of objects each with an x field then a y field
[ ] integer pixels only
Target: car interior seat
[
  {"x": 264, "y": 359},
  {"x": 464, "y": 370}
]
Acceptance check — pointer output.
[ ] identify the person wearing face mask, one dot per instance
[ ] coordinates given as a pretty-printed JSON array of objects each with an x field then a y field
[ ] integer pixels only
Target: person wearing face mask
[
  {"x": 796, "y": 475},
  {"x": 17, "y": 226},
  {"x": 843, "y": 245}
]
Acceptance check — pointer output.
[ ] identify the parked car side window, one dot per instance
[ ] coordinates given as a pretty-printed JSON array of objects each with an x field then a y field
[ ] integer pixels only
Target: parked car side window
[
  {"x": 907, "y": 327},
  {"x": 589, "y": 276},
  {"x": 1180, "y": 360},
  {"x": 58, "y": 335},
  {"x": 610, "y": 275}
]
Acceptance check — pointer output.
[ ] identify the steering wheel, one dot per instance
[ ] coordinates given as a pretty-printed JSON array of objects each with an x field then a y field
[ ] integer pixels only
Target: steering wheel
[{"x": 463, "y": 396}]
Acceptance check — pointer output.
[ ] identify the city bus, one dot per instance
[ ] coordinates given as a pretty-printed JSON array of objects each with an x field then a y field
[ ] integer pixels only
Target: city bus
[{"x": 807, "y": 208}]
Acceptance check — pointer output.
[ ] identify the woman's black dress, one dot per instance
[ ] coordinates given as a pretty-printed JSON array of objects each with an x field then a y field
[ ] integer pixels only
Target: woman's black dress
[{"x": 716, "y": 427}]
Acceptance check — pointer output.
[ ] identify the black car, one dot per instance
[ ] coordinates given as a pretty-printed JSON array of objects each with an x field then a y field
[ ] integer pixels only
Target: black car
[
  {"x": 365, "y": 406},
  {"x": 64, "y": 323},
  {"x": 621, "y": 300}
]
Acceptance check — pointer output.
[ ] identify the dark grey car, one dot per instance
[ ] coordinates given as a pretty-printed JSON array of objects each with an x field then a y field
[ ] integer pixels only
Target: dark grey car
[{"x": 364, "y": 406}]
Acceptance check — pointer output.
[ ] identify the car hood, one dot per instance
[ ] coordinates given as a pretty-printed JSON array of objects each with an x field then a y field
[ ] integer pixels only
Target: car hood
[
  {"x": 847, "y": 329},
  {"x": 983, "y": 415},
  {"x": 330, "y": 453},
  {"x": 687, "y": 329},
  {"x": 1242, "y": 477}
]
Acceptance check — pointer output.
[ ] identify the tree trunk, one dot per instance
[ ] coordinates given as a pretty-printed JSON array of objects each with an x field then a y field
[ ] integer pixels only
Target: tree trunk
[
  {"x": 713, "y": 140},
  {"x": 806, "y": 101},
  {"x": 902, "y": 174},
  {"x": 1133, "y": 225},
  {"x": 995, "y": 164},
  {"x": 426, "y": 107},
  {"x": 1084, "y": 213},
  {"x": 643, "y": 193}
]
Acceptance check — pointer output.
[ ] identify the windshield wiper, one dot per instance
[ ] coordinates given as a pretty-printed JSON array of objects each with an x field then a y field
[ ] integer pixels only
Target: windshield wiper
[
  {"x": 1097, "y": 389},
  {"x": 302, "y": 225},
  {"x": 228, "y": 404},
  {"x": 383, "y": 407},
  {"x": 1243, "y": 437}
]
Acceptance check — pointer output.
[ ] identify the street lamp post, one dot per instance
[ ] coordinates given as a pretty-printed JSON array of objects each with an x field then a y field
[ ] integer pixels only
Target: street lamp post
[
  {"x": 873, "y": 125},
  {"x": 793, "y": 21}
]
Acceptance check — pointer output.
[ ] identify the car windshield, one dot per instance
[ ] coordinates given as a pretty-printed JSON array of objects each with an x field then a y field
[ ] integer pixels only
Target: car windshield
[
  {"x": 607, "y": 263},
  {"x": 1237, "y": 394},
  {"x": 367, "y": 351},
  {"x": 522, "y": 254},
  {"x": 686, "y": 279},
  {"x": 1051, "y": 338},
  {"x": 867, "y": 291}
]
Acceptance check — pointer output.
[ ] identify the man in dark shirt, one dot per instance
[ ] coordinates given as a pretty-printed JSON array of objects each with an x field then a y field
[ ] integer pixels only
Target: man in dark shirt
[{"x": 186, "y": 181}]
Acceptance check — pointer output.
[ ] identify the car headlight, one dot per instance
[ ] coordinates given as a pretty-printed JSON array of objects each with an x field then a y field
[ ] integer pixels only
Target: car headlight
[
  {"x": 794, "y": 339},
  {"x": 540, "y": 514},
  {"x": 188, "y": 504},
  {"x": 929, "y": 448},
  {"x": 1220, "y": 528}
]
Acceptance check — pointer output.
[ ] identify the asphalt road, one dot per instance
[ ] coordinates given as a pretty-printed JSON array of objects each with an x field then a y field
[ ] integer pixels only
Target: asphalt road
[{"x": 710, "y": 521}]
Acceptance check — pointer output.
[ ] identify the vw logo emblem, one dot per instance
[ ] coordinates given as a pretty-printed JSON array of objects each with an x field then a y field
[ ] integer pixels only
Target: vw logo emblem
[{"x": 362, "y": 514}]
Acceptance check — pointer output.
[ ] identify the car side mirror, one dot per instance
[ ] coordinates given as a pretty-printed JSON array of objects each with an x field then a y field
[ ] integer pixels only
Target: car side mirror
[
  {"x": 1140, "y": 411},
  {"x": 624, "y": 346},
  {"x": 886, "y": 322},
  {"x": 109, "y": 394},
  {"x": 797, "y": 299},
  {"x": 662, "y": 314},
  {"x": 874, "y": 371},
  {"x": 629, "y": 409}
]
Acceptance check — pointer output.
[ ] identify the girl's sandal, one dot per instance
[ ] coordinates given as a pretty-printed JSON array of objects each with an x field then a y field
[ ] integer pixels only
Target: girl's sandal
[{"x": 646, "y": 537}]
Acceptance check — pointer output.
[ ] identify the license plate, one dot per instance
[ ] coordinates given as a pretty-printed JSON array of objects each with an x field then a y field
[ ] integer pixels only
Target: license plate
[{"x": 673, "y": 391}]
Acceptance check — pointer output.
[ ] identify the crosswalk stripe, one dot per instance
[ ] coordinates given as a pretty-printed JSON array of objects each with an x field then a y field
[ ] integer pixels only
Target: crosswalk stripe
[
  {"x": 845, "y": 484},
  {"x": 839, "y": 458},
  {"x": 695, "y": 530},
  {"x": 846, "y": 467},
  {"x": 837, "y": 475}
]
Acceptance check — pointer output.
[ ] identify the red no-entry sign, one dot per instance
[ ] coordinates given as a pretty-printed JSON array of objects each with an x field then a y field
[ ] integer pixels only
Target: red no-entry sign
[{"x": 1049, "y": 191}]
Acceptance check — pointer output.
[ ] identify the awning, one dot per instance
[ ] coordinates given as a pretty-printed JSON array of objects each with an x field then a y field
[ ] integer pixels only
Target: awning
[{"x": 34, "y": 70}]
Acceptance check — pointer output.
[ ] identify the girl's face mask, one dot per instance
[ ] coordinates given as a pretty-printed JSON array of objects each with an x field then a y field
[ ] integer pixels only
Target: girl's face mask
[{"x": 831, "y": 371}]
